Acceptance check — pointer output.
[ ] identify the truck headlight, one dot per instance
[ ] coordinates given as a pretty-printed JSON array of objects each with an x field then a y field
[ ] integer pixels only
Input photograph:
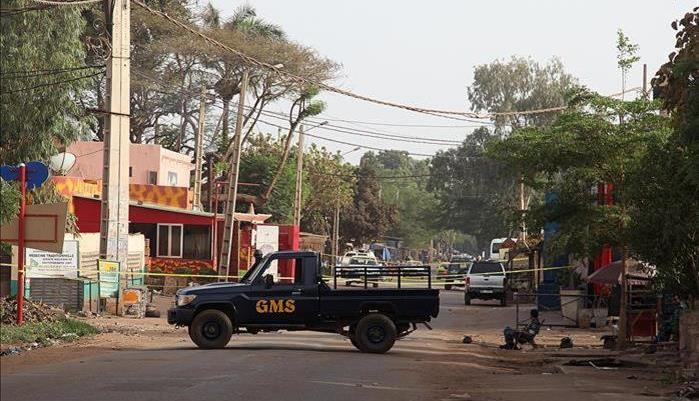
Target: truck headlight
[{"x": 183, "y": 300}]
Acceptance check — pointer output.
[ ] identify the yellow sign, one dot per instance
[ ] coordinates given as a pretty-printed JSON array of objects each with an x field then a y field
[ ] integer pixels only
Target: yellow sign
[{"x": 275, "y": 306}]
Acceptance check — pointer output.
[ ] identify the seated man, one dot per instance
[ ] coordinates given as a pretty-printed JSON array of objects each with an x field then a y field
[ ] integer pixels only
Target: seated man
[{"x": 514, "y": 337}]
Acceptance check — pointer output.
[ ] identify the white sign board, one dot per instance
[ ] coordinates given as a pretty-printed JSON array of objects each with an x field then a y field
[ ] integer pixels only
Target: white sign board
[
  {"x": 49, "y": 264},
  {"x": 267, "y": 241}
]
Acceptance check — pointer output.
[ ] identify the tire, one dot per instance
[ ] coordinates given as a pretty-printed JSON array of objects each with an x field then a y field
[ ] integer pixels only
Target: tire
[
  {"x": 467, "y": 298},
  {"x": 375, "y": 334},
  {"x": 447, "y": 286},
  {"x": 211, "y": 329},
  {"x": 354, "y": 342}
]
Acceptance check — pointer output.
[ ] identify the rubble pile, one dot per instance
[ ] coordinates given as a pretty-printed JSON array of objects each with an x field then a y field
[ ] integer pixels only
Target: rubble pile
[{"x": 32, "y": 311}]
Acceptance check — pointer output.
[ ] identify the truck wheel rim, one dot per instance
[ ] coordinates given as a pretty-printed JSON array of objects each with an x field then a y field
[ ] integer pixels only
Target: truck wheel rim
[
  {"x": 211, "y": 330},
  {"x": 376, "y": 334}
]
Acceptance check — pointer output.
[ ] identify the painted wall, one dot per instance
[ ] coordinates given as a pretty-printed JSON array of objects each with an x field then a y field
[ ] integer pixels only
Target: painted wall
[
  {"x": 144, "y": 158},
  {"x": 179, "y": 197}
]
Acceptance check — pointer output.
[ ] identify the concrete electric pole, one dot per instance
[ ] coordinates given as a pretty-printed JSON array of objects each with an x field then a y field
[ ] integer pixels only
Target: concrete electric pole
[
  {"x": 232, "y": 192},
  {"x": 114, "y": 227},
  {"x": 299, "y": 180},
  {"x": 198, "y": 152}
]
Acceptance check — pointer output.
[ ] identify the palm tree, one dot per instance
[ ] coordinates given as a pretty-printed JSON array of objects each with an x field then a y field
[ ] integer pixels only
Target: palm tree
[{"x": 230, "y": 70}]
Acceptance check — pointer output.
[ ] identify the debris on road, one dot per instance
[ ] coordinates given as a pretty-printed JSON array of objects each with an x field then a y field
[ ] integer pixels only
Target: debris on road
[
  {"x": 467, "y": 340},
  {"x": 33, "y": 311}
]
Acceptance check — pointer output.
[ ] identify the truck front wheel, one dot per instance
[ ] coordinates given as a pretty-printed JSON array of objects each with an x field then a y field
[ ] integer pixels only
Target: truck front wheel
[
  {"x": 211, "y": 329},
  {"x": 375, "y": 334}
]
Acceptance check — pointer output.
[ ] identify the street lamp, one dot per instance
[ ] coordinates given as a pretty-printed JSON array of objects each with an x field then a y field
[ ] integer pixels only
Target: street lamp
[
  {"x": 350, "y": 151},
  {"x": 299, "y": 174}
]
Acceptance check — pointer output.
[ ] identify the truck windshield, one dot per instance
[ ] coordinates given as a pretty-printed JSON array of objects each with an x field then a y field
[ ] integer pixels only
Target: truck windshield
[
  {"x": 487, "y": 268},
  {"x": 253, "y": 270}
]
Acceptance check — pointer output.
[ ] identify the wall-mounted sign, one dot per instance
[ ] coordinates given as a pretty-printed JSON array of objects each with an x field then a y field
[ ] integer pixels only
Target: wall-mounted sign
[
  {"x": 108, "y": 277},
  {"x": 49, "y": 264}
]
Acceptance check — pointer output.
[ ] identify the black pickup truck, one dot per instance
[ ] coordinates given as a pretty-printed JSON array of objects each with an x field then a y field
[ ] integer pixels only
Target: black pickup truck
[{"x": 372, "y": 318}]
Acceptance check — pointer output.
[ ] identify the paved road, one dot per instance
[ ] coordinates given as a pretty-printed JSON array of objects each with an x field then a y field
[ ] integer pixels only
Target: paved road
[{"x": 427, "y": 365}]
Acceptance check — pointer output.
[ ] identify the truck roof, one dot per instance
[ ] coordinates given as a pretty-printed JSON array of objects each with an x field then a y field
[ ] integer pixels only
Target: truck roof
[{"x": 298, "y": 253}]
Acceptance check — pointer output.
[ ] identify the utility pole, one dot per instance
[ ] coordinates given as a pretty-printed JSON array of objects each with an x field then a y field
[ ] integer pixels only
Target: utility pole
[
  {"x": 336, "y": 233},
  {"x": 198, "y": 150},
  {"x": 299, "y": 180},
  {"x": 114, "y": 227},
  {"x": 521, "y": 208},
  {"x": 232, "y": 192}
]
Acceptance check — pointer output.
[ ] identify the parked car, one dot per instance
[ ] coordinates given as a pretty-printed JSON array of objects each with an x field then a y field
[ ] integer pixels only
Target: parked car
[
  {"x": 486, "y": 280},
  {"x": 451, "y": 273},
  {"x": 372, "y": 319},
  {"x": 355, "y": 264}
]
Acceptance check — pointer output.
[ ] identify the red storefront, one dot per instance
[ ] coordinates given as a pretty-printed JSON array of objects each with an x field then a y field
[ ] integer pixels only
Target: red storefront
[{"x": 182, "y": 237}]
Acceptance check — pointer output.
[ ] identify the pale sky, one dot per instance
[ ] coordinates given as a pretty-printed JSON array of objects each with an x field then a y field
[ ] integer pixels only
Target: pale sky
[{"x": 423, "y": 54}]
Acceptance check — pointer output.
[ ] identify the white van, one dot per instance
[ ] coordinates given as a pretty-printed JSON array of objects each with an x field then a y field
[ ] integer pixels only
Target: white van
[{"x": 495, "y": 245}]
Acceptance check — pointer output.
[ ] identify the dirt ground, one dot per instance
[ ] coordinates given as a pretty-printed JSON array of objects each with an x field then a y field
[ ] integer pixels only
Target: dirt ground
[{"x": 526, "y": 371}]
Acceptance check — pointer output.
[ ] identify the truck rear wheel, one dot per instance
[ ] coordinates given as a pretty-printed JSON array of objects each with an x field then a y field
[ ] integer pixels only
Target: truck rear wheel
[
  {"x": 375, "y": 334},
  {"x": 211, "y": 329}
]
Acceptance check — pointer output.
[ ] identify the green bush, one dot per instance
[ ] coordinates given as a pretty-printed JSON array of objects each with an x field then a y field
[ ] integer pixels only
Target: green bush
[
  {"x": 183, "y": 270},
  {"x": 65, "y": 329}
]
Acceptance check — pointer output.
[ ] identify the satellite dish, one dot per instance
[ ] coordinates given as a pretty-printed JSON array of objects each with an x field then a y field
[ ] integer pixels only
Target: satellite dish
[{"x": 62, "y": 162}]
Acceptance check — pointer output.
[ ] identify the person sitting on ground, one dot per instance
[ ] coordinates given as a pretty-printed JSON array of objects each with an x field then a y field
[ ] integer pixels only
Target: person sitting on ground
[{"x": 514, "y": 337}]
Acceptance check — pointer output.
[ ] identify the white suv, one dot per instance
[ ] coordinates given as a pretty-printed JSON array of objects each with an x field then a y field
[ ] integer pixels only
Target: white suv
[{"x": 486, "y": 280}]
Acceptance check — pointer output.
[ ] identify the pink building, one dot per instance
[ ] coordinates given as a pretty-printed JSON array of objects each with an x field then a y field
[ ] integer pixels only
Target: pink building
[{"x": 149, "y": 164}]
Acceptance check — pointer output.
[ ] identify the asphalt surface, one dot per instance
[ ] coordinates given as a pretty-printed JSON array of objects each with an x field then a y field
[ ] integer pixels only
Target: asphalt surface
[{"x": 427, "y": 365}]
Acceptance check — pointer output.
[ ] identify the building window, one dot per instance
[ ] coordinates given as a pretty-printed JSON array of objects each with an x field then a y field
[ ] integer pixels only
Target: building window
[
  {"x": 153, "y": 178},
  {"x": 171, "y": 178},
  {"x": 169, "y": 240}
]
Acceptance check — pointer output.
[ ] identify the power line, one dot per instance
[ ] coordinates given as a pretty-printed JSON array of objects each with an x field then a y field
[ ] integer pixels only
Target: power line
[
  {"x": 66, "y": 3},
  {"x": 327, "y": 127},
  {"x": 372, "y": 134},
  {"x": 480, "y": 124},
  {"x": 252, "y": 61},
  {"x": 42, "y": 72},
  {"x": 51, "y": 83}
]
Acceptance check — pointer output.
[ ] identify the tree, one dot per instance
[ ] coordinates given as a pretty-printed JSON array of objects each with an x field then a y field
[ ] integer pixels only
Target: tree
[
  {"x": 517, "y": 85},
  {"x": 626, "y": 57},
  {"x": 368, "y": 217},
  {"x": 258, "y": 164},
  {"x": 405, "y": 187},
  {"x": 331, "y": 183},
  {"x": 43, "y": 73},
  {"x": 583, "y": 147},
  {"x": 470, "y": 189},
  {"x": 664, "y": 227}
]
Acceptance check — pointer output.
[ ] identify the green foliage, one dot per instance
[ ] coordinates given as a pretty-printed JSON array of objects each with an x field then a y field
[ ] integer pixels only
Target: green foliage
[
  {"x": 519, "y": 84},
  {"x": 471, "y": 190},
  {"x": 583, "y": 147},
  {"x": 34, "y": 121},
  {"x": 368, "y": 218},
  {"x": 626, "y": 52},
  {"x": 258, "y": 164},
  {"x": 42, "y": 332},
  {"x": 416, "y": 208},
  {"x": 664, "y": 227},
  {"x": 9, "y": 201},
  {"x": 330, "y": 184},
  {"x": 183, "y": 270}
]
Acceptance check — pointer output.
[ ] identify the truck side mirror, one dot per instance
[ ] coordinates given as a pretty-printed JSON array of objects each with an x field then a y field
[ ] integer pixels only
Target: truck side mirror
[{"x": 269, "y": 281}]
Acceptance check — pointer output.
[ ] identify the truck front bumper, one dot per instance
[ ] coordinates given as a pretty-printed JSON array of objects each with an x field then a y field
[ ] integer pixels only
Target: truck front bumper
[{"x": 180, "y": 316}]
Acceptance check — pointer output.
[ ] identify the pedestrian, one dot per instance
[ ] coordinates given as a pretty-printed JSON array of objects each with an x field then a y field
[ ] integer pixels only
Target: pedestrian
[{"x": 514, "y": 337}]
